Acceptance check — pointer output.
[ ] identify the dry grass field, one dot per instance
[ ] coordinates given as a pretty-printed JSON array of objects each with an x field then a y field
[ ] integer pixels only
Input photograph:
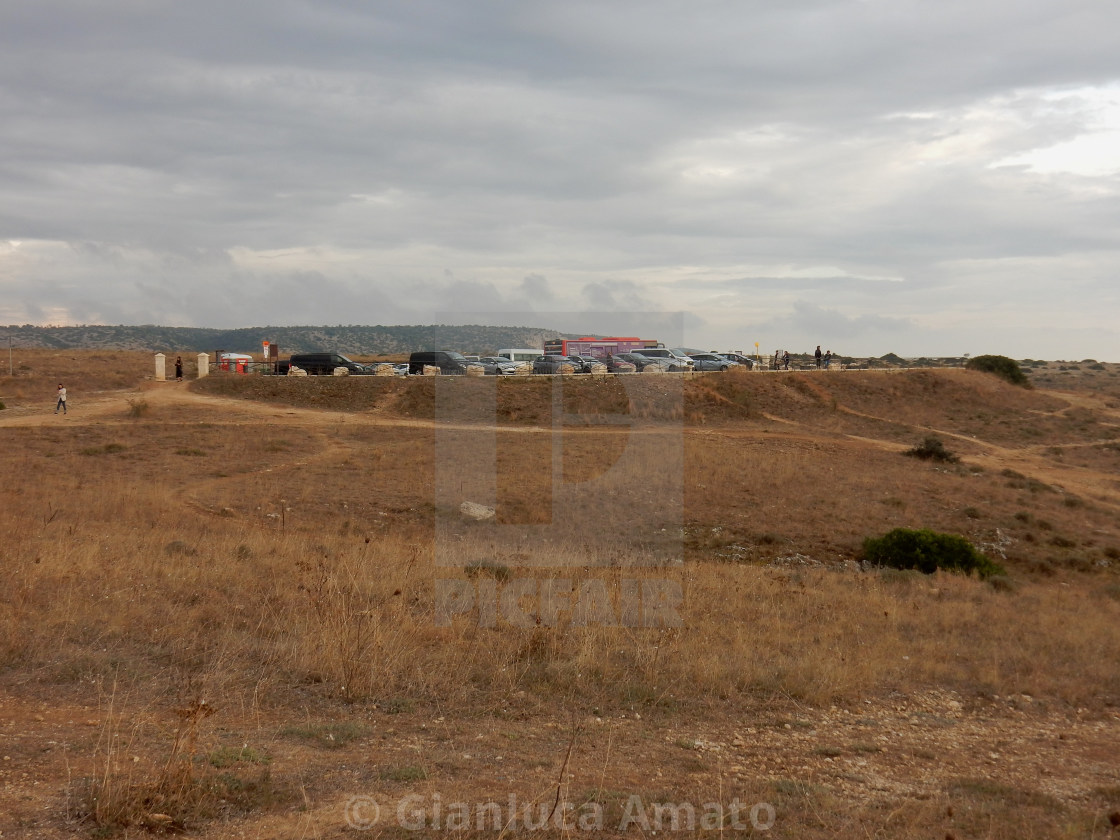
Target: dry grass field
[{"x": 250, "y": 606}]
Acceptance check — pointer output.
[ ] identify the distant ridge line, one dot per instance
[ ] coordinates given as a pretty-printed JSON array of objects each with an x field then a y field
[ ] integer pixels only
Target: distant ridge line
[{"x": 354, "y": 339}]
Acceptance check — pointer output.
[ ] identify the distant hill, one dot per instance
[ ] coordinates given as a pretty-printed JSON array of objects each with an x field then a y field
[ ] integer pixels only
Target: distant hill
[{"x": 356, "y": 340}]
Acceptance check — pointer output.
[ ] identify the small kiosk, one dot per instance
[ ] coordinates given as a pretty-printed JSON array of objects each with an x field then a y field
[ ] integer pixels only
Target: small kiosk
[{"x": 234, "y": 362}]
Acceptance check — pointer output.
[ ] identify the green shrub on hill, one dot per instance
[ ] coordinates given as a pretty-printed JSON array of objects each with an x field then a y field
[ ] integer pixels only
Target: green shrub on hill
[
  {"x": 927, "y": 551},
  {"x": 932, "y": 449},
  {"x": 1001, "y": 366}
]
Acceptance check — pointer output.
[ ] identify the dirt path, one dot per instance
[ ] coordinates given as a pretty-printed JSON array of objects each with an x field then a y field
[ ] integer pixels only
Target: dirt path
[{"x": 1029, "y": 460}]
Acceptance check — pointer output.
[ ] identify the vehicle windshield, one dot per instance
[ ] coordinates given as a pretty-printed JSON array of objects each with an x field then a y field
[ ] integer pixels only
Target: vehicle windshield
[{"x": 459, "y": 357}]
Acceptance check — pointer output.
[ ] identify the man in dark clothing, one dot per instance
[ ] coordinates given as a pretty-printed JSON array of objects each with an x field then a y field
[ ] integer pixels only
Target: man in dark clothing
[{"x": 817, "y": 356}]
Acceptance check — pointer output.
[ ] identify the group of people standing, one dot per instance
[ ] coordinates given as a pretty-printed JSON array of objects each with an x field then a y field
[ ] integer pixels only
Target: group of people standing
[{"x": 781, "y": 359}]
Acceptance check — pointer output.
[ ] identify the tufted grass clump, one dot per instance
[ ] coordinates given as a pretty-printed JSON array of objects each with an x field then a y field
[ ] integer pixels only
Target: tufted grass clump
[
  {"x": 927, "y": 551},
  {"x": 139, "y": 408}
]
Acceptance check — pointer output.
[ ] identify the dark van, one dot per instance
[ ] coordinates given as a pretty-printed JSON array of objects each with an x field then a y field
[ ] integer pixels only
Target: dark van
[
  {"x": 448, "y": 362},
  {"x": 323, "y": 364}
]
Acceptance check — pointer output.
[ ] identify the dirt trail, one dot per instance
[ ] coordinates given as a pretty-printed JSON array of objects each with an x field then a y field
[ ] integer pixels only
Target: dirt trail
[{"x": 1029, "y": 460}]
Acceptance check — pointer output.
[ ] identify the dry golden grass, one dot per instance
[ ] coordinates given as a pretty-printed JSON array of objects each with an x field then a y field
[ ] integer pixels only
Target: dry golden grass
[
  {"x": 286, "y": 566},
  {"x": 38, "y": 372}
]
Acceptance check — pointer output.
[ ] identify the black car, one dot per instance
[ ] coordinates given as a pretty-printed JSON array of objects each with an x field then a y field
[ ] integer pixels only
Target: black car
[
  {"x": 322, "y": 364},
  {"x": 448, "y": 361},
  {"x": 556, "y": 364},
  {"x": 642, "y": 363}
]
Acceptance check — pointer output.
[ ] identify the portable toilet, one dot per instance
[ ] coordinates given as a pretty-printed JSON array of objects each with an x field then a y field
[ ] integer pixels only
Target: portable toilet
[{"x": 236, "y": 362}]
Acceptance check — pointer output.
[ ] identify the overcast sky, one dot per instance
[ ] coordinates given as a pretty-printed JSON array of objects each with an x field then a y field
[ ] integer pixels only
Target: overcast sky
[{"x": 925, "y": 178}]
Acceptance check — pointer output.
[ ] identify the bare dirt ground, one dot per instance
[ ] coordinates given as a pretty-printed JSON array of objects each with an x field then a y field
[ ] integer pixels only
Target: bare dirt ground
[
  {"x": 922, "y": 765},
  {"x": 905, "y": 757}
]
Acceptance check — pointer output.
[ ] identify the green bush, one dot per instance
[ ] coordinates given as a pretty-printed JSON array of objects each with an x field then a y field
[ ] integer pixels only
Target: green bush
[
  {"x": 932, "y": 449},
  {"x": 927, "y": 551},
  {"x": 1001, "y": 366}
]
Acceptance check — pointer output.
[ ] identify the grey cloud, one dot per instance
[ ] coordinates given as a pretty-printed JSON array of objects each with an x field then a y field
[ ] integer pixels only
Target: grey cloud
[
  {"x": 640, "y": 155},
  {"x": 809, "y": 319}
]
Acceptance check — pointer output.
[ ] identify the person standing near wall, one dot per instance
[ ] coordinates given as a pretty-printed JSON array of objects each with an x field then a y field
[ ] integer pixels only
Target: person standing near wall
[
  {"x": 817, "y": 356},
  {"x": 178, "y": 368},
  {"x": 61, "y": 399}
]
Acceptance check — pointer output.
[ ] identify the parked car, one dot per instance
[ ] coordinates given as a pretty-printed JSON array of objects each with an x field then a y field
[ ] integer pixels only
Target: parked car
[
  {"x": 499, "y": 365},
  {"x": 642, "y": 362},
  {"x": 617, "y": 364},
  {"x": 587, "y": 364},
  {"x": 710, "y": 361},
  {"x": 448, "y": 361},
  {"x": 677, "y": 359},
  {"x": 555, "y": 364},
  {"x": 747, "y": 361},
  {"x": 322, "y": 364}
]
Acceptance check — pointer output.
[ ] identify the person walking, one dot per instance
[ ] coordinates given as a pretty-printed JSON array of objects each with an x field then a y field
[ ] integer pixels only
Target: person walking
[
  {"x": 178, "y": 368},
  {"x": 817, "y": 356},
  {"x": 827, "y": 359},
  {"x": 785, "y": 360},
  {"x": 61, "y": 399}
]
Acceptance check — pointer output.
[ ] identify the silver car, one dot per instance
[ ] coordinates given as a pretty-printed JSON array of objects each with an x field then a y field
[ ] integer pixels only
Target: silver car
[
  {"x": 677, "y": 360},
  {"x": 710, "y": 361}
]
